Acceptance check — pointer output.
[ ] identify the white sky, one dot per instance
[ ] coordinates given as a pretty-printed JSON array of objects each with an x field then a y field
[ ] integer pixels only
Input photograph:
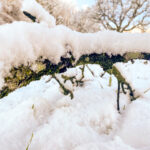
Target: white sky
[{"x": 81, "y": 3}]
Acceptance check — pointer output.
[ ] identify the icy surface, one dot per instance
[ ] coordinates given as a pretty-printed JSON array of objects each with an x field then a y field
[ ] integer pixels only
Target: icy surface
[{"x": 88, "y": 122}]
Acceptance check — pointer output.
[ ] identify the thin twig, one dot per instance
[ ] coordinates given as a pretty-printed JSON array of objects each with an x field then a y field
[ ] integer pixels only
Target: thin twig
[
  {"x": 118, "y": 95},
  {"x": 90, "y": 70},
  {"x": 65, "y": 90}
]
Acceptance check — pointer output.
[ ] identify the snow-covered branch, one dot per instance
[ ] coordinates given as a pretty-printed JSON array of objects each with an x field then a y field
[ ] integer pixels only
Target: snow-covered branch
[{"x": 63, "y": 48}]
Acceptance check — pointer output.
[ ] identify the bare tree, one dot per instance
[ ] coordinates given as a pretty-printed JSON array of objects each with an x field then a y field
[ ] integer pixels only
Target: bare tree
[
  {"x": 122, "y": 15},
  {"x": 82, "y": 22},
  {"x": 10, "y": 11},
  {"x": 62, "y": 11}
]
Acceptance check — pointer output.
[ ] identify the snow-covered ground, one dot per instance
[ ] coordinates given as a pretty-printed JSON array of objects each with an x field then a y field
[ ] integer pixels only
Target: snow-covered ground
[{"x": 41, "y": 117}]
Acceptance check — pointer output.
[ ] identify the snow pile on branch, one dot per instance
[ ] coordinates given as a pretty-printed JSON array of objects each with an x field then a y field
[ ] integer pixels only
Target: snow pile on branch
[
  {"x": 35, "y": 9},
  {"x": 23, "y": 43},
  {"x": 13, "y": 11}
]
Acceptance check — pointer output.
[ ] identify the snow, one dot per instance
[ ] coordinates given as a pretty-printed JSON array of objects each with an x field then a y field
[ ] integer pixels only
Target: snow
[
  {"x": 140, "y": 83},
  {"x": 28, "y": 41},
  {"x": 35, "y": 9},
  {"x": 135, "y": 124},
  {"x": 88, "y": 122},
  {"x": 41, "y": 117}
]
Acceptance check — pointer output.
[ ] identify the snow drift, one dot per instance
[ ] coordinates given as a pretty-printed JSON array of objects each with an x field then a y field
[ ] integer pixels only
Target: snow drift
[{"x": 90, "y": 121}]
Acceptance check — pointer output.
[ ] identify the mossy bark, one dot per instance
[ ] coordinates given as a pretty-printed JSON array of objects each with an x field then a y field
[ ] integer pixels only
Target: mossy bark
[{"x": 22, "y": 75}]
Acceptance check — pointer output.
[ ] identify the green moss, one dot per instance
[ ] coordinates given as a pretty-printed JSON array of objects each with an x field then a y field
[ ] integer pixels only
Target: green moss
[
  {"x": 110, "y": 81},
  {"x": 104, "y": 60},
  {"x": 118, "y": 75},
  {"x": 136, "y": 55},
  {"x": 39, "y": 66},
  {"x": 66, "y": 78},
  {"x": 5, "y": 91},
  {"x": 87, "y": 59},
  {"x": 23, "y": 75},
  {"x": 64, "y": 89}
]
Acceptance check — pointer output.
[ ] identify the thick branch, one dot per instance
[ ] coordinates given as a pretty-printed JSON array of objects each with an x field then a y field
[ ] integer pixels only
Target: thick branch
[{"x": 23, "y": 75}]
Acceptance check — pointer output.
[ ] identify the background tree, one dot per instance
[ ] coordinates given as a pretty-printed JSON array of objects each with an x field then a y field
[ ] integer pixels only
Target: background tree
[
  {"x": 122, "y": 15},
  {"x": 10, "y": 11},
  {"x": 82, "y": 22},
  {"x": 68, "y": 14},
  {"x": 62, "y": 11},
  {"x": 65, "y": 13}
]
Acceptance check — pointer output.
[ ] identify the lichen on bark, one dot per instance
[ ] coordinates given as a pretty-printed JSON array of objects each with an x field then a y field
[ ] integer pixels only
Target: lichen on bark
[{"x": 22, "y": 75}]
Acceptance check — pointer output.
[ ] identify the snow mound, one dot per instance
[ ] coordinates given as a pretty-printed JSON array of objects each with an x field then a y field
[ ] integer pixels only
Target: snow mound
[
  {"x": 88, "y": 122},
  {"x": 55, "y": 120},
  {"x": 135, "y": 125}
]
